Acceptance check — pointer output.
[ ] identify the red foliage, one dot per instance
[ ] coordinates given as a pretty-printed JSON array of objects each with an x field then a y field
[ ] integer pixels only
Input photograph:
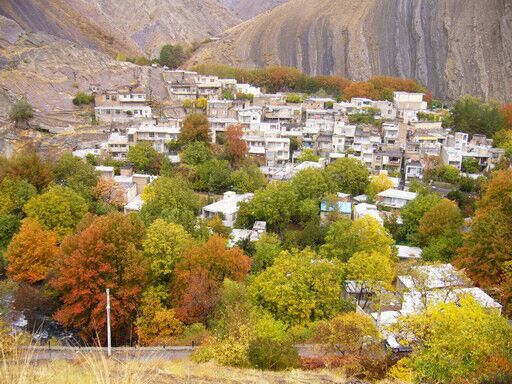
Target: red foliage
[
  {"x": 506, "y": 112},
  {"x": 199, "y": 274},
  {"x": 106, "y": 254},
  {"x": 362, "y": 89},
  {"x": 236, "y": 147}
]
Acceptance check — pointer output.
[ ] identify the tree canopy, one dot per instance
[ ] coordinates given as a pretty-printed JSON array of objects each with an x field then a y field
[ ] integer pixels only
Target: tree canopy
[{"x": 348, "y": 176}]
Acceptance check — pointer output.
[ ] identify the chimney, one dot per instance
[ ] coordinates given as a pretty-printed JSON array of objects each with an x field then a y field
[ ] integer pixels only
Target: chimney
[
  {"x": 126, "y": 171},
  {"x": 140, "y": 181}
]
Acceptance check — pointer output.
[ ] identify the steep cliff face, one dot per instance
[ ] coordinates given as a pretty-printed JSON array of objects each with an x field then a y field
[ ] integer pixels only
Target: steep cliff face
[
  {"x": 132, "y": 26},
  {"x": 247, "y": 9},
  {"x": 452, "y": 46}
]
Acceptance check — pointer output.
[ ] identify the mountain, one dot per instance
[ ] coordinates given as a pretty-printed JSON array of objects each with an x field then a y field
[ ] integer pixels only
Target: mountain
[
  {"x": 134, "y": 27},
  {"x": 453, "y": 47},
  {"x": 247, "y": 9}
]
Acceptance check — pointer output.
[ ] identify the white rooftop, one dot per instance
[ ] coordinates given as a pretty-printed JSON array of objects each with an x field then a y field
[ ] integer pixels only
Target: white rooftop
[
  {"x": 229, "y": 204},
  {"x": 397, "y": 194},
  {"x": 406, "y": 252},
  {"x": 433, "y": 277}
]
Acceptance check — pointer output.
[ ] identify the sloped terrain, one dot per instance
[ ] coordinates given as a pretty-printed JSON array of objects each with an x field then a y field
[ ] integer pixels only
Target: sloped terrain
[
  {"x": 134, "y": 27},
  {"x": 247, "y": 9},
  {"x": 453, "y": 47}
]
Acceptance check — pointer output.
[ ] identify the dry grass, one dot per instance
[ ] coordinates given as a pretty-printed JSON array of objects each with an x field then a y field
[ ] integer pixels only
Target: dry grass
[{"x": 97, "y": 369}]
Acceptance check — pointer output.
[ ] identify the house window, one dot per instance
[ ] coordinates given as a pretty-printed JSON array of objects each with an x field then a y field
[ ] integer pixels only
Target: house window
[
  {"x": 107, "y": 97},
  {"x": 114, "y": 98}
]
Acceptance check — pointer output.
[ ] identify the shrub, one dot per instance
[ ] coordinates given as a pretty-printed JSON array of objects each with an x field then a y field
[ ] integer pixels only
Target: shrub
[
  {"x": 21, "y": 112},
  {"x": 270, "y": 354},
  {"x": 294, "y": 98},
  {"x": 83, "y": 98}
]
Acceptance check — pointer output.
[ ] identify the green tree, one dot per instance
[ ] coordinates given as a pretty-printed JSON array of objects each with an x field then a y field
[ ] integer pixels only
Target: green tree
[
  {"x": 195, "y": 128},
  {"x": 412, "y": 214},
  {"x": 348, "y": 175},
  {"x": 268, "y": 247},
  {"x": 144, "y": 157},
  {"x": 378, "y": 184},
  {"x": 276, "y": 205},
  {"x": 310, "y": 183},
  {"x": 248, "y": 178},
  {"x": 14, "y": 194},
  {"x": 82, "y": 98},
  {"x": 470, "y": 165},
  {"x": 59, "y": 209},
  {"x": 472, "y": 116},
  {"x": 214, "y": 176},
  {"x": 196, "y": 153},
  {"x": 171, "y": 199},
  {"x": 450, "y": 174},
  {"x": 76, "y": 174},
  {"x": 456, "y": 343},
  {"x": 308, "y": 155},
  {"x": 21, "y": 112},
  {"x": 345, "y": 238},
  {"x": 164, "y": 246},
  {"x": 172, "y": 56}
]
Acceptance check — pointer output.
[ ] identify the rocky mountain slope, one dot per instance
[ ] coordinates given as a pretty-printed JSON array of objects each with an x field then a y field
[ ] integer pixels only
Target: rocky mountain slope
[
  {"x": 134, "y": 27},
  {"x": 452, "y": 46},
  {"x": 49, "y": 71},
  {"x": 247, "y": 9}
]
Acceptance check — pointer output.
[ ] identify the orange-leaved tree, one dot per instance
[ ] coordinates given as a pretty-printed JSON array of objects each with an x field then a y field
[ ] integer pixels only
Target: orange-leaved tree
[
  {"x": 236, "y": 147},
  {"x": 105, "y": 254},
  {"x": 31, "y": 253},
  {"x": 199, "y": 274}
]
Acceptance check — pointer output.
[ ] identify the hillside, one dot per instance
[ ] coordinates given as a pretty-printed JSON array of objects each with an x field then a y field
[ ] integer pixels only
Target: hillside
[
  {"x": 131, "y": 26},
  {"x": 453, "y": 47},
  {"x": 247, "y": 9}
]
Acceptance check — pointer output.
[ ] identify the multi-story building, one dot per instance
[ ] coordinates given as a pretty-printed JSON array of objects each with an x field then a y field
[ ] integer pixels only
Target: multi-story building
[{"x": 122, "y": 105}]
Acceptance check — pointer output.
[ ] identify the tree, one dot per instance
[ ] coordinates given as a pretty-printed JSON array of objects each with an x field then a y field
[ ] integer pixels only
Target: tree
[
  {"x": 214, "y": 176},
  {"x": 199, "y": 275},
  {"x": 171, "y": 199},
  {"x": 201, "y": 103},
  {"x": 105, "y": 254},
  {"x": 21, "y": 112},
  {"x": 76, "y": 174},
  {"x": 268, "y": 247},
  {"x": 299, "y": 288},
  {"x": 144, "y": 157},
  {"x": 450, "y": 174},
  {"x": 236, "y": 146},
  {"x": 32, "y": 253},
  {"x": 82, "y": 98},
  {"x": 27, "y": 166},
  {"x": 470, "y": 165},
  {"x": 196, "y": 153},
  {"x": 310, "y": 183},
  {"x": 14, "y": 194},
  {"x": 372, "y": 271},
  {"x": 486, "y": 249},
  {"x": 457, "y": 342},
  {"x": 412, "y": 214},
  {"x": 195, "y": 128},
  {"x": 345, "y": 238},
  {"x": 172, "y": 56},
  {"x": 248, "y": 178},
  {"x": 378, "y": 184},
  {"x": 164, "y": 246},
  {"x": 472, "y": 116},
  {"x": 440, "y": 231},
  {"x": 109, "y": 192},
  {"x": 348, "y": 175},
  {"x": 347, "y": 333},
  {"x": 59, "y": 209},
  {"x": 276, "y": 205},
  {"x": 506, "y": 114},
  {"x": 308, "y": 155},
  {"x": 157, "y": 325}
]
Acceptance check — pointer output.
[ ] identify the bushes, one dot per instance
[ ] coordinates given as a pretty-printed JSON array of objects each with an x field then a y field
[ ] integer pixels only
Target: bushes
[
  {"x": 269, "y": 354},
  {"x": 83, "y": 98}
]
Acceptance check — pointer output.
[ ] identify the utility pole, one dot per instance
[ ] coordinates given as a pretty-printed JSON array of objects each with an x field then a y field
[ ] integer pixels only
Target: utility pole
[{"x": 109, "y": 344}]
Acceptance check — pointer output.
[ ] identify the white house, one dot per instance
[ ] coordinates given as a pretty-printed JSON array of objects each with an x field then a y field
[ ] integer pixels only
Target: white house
[
  {"x": 227, "y": 208},
  {"x": 395, "y": 198}
]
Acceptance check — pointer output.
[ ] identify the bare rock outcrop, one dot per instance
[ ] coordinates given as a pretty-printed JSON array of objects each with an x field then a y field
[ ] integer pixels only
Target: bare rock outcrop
[{"x": 453, "y": 47}]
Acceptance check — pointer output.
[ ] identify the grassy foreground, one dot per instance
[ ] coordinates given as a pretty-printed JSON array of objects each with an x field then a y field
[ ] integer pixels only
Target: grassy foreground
[{"x": 99, "y": 370}]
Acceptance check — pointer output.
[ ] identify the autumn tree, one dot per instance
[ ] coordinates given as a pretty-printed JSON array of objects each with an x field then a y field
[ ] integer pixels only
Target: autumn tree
[
  {"x": 347, "y": 333},
  {"x": 14, "y": 194},
  {"x": 440, "y": 231},
  {"x": 32, "y": 253},
  {"x": 413, "y": 212},
  {"x": 59, "y": 209},
  {"x": 236, "y": 146},
  {"x": 300, "y": 288},
  {"x": 348, "y": 175},
  {"x": 29, "y": 166},
  {"x": 268, "y": 247},
  {"x": 109, "y": 192},
  {"x": 378, "y": 184},
  {"x": 195, "y": 128},
  {"x": 171, "y": 199},
  {"x": 164, "y": 246},
  {"x": 506, "y": 114},
  {"x": 144, "y": 157},
  {"x": 199, "y": 274},
  {"x": 345, "y": 237},
  {"x": 485, "y": 254},
  {"x": 105, "y": 254},
  {"x": 456, "y": 342}
]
